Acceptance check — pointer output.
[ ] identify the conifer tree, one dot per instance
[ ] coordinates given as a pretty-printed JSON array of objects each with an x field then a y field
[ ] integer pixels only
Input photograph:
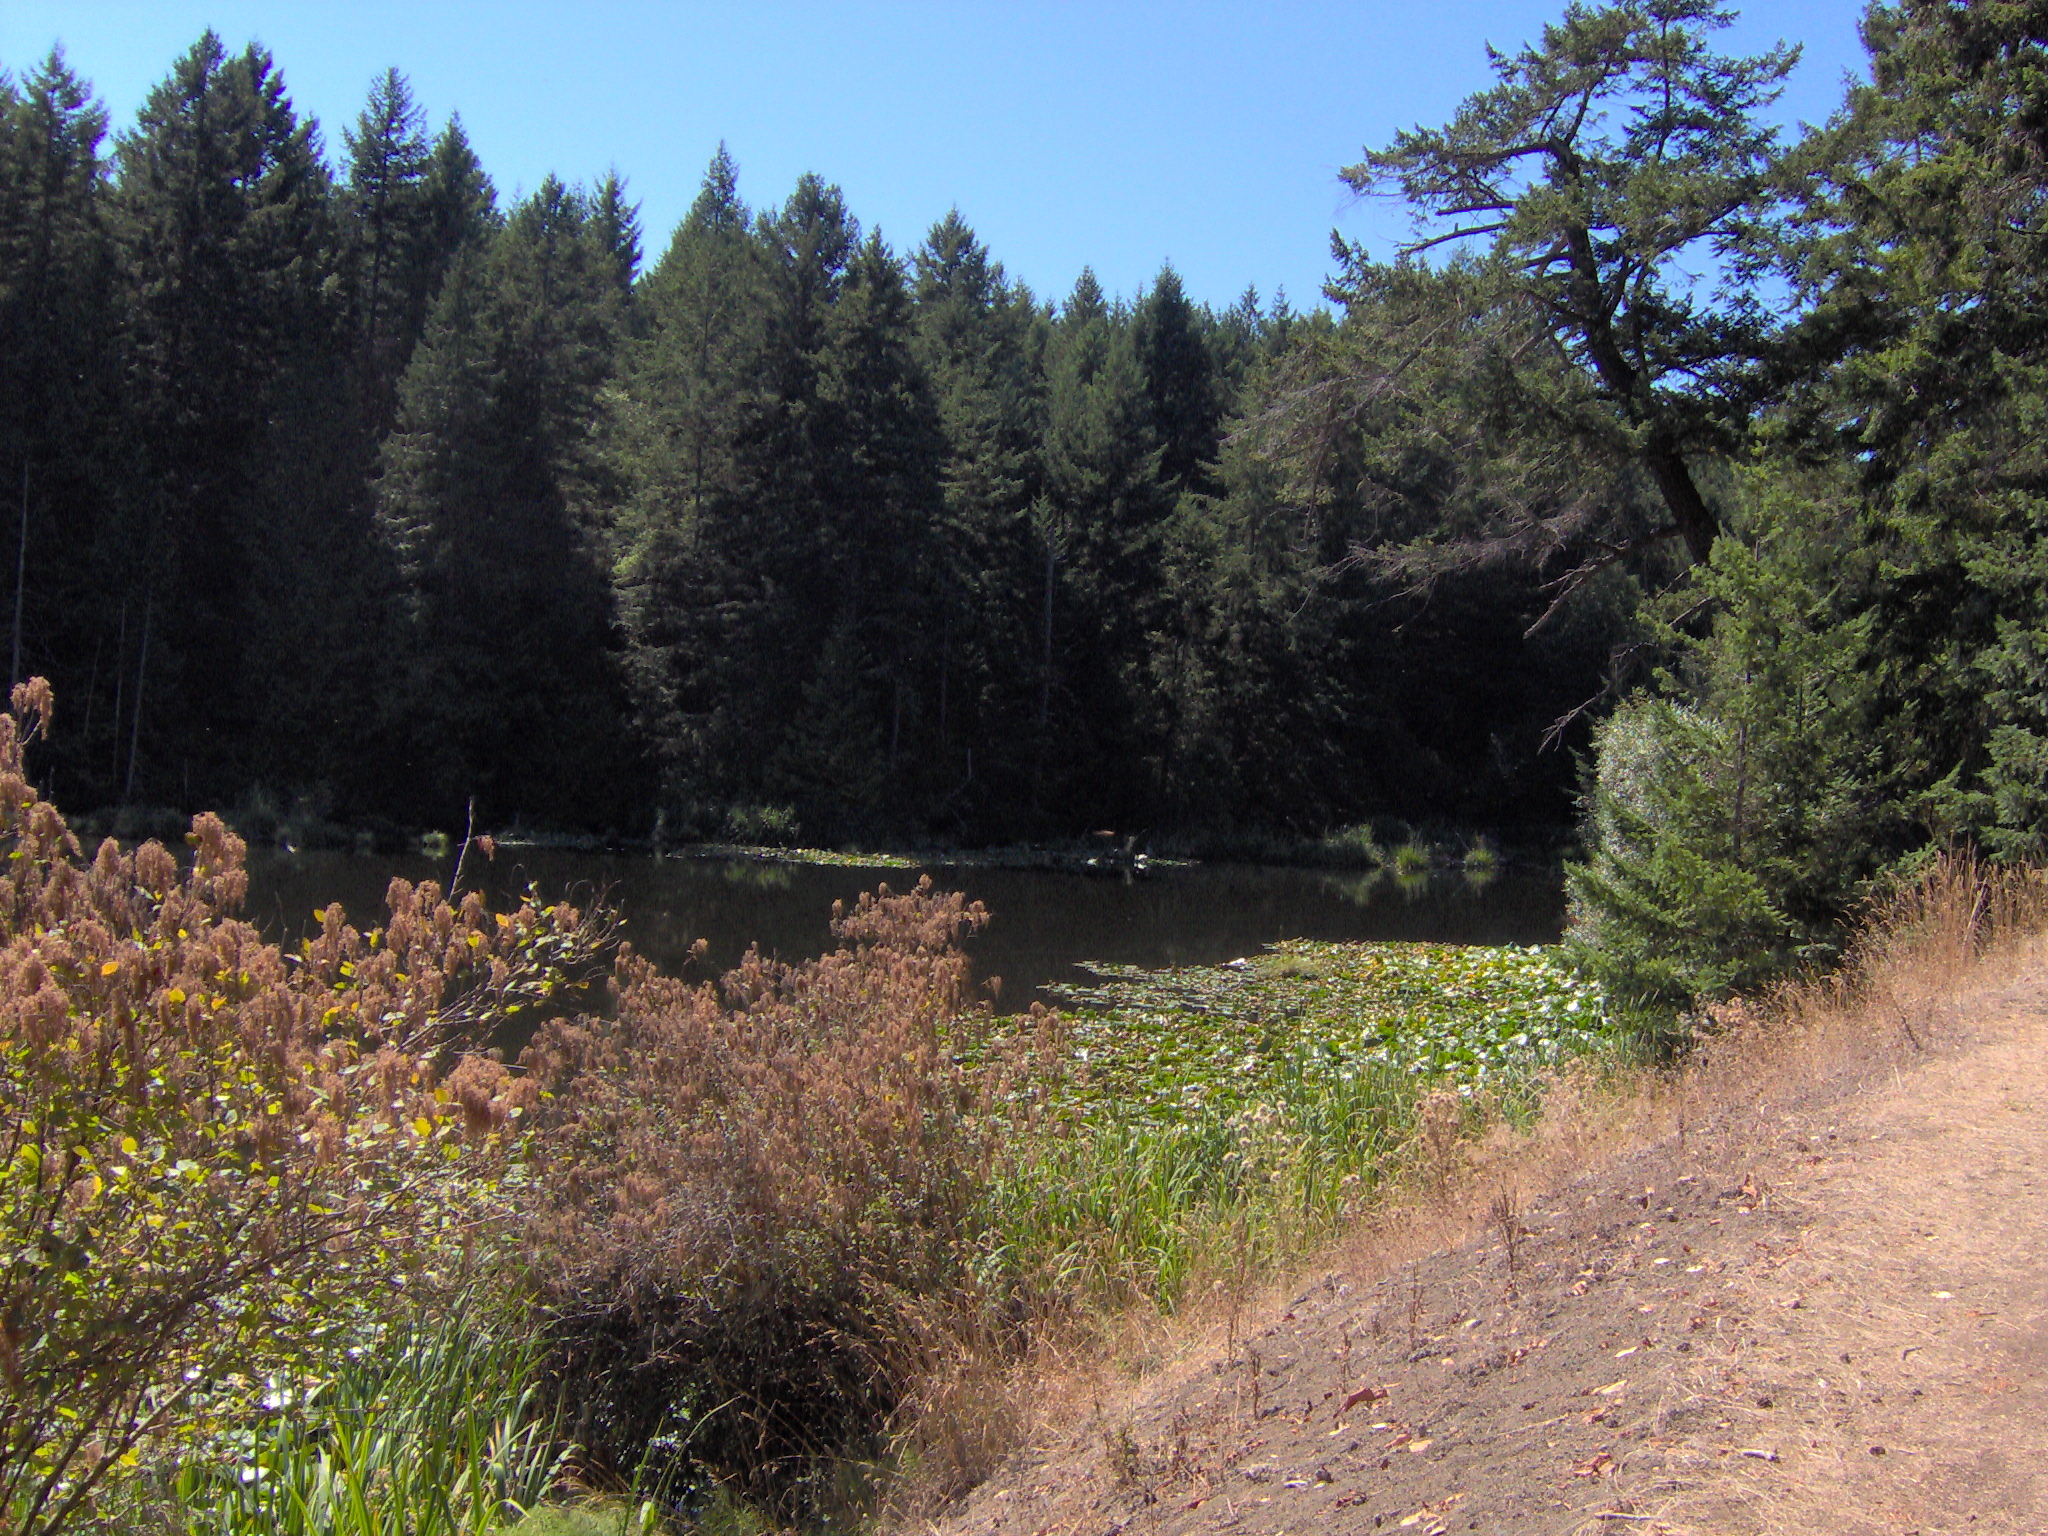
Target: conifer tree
[
  {"x": 617, "y": 226},
  {"x": 462, "y": 205},
  {"x": 59, "y": 395},
  {"x": 981, "y": 340},
  {"x": 513, "y": 693},
  {"x": 388, "y": 261},
  {"x": 671, "y": 437},
  {"x": 770, "y": 542},
  {"x": 1611, "y": 159},
  {"x": 1921, "y": 268},
  {"x": 1183, "y": 398},
  {"x": 882, "y": 525},
  {"x": 1102, "y": 520},
  {"x": 222, "y": 206}
]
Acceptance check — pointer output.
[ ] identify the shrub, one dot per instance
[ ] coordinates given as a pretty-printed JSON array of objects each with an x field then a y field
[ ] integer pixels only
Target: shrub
[
  {"x": 764, "y": 826},
  {"x": 762, "y": 1238},
  {"x": 1411, "y": 859},
  {"x": 210, "y": 1148}
]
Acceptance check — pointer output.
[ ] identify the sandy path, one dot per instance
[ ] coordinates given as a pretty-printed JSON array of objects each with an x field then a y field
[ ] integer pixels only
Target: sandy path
[{"x": 1834, "y": 1320}]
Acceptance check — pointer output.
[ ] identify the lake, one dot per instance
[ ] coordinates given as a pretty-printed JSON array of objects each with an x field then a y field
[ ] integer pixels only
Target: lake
[{"x": 1045, "y": 925}]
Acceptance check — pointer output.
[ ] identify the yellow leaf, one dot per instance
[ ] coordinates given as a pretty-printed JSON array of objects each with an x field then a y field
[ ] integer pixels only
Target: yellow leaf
[
  {"x": 110, "y": 967},
  {"x": 175, "y": 996},
  {"x": 129, "y": 1145},
  {"x": 423, "y": 1126}
]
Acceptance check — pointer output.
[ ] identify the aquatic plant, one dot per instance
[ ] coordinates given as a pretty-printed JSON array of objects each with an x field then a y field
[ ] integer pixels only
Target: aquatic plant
[
  {"x": 1411, "y": 859},
  {"x": 1163, "y": 1044},
  {"x": 1229, "y": 1113}
]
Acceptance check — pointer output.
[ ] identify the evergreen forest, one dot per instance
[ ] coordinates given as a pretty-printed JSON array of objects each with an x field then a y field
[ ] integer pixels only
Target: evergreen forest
[{"x": 1679, "y": 479}]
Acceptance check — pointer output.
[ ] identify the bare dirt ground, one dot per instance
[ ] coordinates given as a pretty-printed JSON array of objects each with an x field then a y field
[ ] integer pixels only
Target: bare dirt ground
[{"x": 1825, "y": 1312}]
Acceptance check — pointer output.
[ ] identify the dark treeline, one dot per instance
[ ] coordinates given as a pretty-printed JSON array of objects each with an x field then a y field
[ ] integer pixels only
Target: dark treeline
[
  {"x": 341, "y": 482},
  {"x": 1706, "y": 454}
]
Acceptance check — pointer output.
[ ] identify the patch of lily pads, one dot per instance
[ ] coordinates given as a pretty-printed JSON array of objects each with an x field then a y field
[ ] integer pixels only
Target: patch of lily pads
[
  {"x": 828, "y": 858},
  {"x": 1195, "y": 1042}
]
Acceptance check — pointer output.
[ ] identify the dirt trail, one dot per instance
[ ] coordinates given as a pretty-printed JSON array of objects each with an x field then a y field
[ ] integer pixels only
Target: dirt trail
[{"x": 1829, "y": 1320}]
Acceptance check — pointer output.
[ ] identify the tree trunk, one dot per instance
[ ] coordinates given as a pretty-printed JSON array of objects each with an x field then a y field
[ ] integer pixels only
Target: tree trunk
[
  {"x": 1696, "y": 522},
  {"x": 945, "y": 663},
  {"x": 20, "y": 576},
  {"x": 1045, "y": 677},
  {"x": 120, "y": 684},
  {"x": 135, "y": 725}
]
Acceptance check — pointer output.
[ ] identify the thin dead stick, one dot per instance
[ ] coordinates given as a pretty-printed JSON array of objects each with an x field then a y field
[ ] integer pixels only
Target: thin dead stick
[{"x": 469, "y": 831}]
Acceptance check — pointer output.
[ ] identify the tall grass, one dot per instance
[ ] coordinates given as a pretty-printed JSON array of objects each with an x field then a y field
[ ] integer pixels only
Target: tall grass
[
  {"x": 1110, "y": 1211},
  {"x": 430, "y": 1427}
]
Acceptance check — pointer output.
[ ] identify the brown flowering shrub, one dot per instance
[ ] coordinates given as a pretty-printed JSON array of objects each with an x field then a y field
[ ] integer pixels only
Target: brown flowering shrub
[
  {"x": 763, "y": 1230},
  {"x": 211, "y": 1148}
]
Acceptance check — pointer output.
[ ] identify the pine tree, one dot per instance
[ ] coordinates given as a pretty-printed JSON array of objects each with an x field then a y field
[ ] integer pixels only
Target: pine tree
[
  {"x": 1731, "y": 815},
  {"x": 1182, "y": 392},
  {"x": 881, "y": 533},
  {"x": 1101, "y": 521},
  {"x": 1607, "y": 163},
  {"x": 671, "y": 434},
  {"x": 981, "y": 341},
  {"x": 223, "y": 206},
  {"x": 513, "y": 691},
  {"x": 1922, "y": 275},
  {"x": 59, "y": 398},
  {"x": 388, "y": 261},
  {"x": 770, "y": 541},
  {"x": 462, "y": 205},
  {"x": 617, "y": 226}
]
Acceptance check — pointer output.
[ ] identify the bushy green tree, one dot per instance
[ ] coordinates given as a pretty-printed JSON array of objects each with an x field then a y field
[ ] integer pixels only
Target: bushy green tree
[
  {"x": 1733, "y": 810},
  {"x": 1920, "y": 269}
]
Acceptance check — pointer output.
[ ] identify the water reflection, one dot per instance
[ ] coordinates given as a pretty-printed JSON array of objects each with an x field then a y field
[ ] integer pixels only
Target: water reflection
[{"x": 1044, "y": 925}]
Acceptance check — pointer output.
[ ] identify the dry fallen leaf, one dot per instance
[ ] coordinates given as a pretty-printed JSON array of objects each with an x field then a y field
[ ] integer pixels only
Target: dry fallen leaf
[
  {"x": 1362, "y": 1395},
  {"x": 1596, "y": 1467}
]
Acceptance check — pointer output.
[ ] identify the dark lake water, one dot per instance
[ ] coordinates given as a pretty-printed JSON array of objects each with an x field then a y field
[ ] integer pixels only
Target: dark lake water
[{"x": 1045, "y": 923}]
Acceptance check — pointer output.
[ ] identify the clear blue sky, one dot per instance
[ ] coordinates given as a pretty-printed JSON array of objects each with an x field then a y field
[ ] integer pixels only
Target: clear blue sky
[{"x": 1112, "y": 134}]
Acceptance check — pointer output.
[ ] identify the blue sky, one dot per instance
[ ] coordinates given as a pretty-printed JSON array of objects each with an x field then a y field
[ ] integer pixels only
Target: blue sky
[{"x": 1111, "y": 134}]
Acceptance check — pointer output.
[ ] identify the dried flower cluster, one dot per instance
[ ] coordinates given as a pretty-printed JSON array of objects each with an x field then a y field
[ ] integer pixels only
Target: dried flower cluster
[
  {"x": 208, "y": 1146},
  {"x": 768, "y": 1206}
]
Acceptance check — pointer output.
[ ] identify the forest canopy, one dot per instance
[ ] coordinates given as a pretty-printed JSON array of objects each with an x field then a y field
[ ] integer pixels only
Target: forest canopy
[{"x": 1683, "y": 474}]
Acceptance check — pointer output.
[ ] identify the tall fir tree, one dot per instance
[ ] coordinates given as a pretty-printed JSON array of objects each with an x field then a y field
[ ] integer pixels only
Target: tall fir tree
[
  {"x": 223, "y": 211},
  {"x": 512, "y": 695},
  {"x": 671, "y": 433},
  {"x": 981, "y": 340},
  {"x": 60, "y": 445}
]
